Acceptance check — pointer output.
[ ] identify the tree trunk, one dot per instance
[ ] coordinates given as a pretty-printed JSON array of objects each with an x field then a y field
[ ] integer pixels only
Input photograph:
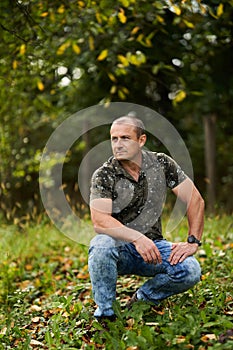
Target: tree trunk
[
  {"x": 210, "y": 161},
  {"x": 87, "y": 167}
]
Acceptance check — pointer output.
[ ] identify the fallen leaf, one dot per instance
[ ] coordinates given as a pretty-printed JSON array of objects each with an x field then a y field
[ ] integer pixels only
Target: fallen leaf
[
  {"x": 3, "y": 331},
  {"x": 205, "y": 338},
  {"x": 228, "y": 312},
  {"x": 34, "y": 342},
  {"x": 180, "y": 339},
  {"x": 35, "y": 308}
]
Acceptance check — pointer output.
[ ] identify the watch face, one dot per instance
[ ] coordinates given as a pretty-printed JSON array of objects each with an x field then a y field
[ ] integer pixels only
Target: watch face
[{"x": 191, "y": 239}]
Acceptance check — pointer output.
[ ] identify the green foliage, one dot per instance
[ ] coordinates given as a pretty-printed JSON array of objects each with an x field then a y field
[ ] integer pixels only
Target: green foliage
[{"x": 46, "y": 299}]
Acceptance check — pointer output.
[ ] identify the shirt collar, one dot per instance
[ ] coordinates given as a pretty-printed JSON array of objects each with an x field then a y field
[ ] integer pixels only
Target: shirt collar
[{"x": 147, "y": 162}]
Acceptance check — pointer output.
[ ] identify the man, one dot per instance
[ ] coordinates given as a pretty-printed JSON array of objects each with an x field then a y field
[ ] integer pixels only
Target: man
[{"x": 127, "y": 196}]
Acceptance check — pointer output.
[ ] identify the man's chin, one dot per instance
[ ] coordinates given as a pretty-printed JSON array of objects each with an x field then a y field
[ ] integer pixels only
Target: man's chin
[{"x": 120, "y": 156}]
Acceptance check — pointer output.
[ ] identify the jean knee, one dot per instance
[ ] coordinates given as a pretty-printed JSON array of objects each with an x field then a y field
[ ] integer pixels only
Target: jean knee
[
  {"x": 102, "y": 251},
  {"x": 103, "y": 241},
  {"x": 187, "y": 272},
  {"x": 193, "y": 270}
]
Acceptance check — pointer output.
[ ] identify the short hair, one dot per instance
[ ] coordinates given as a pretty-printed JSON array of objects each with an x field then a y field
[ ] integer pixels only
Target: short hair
[{"x": 136, "y": 122}]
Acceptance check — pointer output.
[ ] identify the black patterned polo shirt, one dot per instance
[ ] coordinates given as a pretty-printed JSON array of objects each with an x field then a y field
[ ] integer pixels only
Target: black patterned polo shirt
[{"x": 138, "y": 204}]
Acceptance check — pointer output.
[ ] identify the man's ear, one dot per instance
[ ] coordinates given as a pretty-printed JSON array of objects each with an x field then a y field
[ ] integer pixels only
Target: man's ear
[{"x": 142, "y": 140}]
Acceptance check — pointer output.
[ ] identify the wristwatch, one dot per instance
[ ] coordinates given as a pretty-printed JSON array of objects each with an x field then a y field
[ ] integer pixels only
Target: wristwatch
[{"x": 193, "y": 239}]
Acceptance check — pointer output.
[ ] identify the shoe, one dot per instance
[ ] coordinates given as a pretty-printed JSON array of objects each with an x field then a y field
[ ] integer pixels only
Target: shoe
[
  {"x": 133, "y": 300},
  {"x": 104, "y": 320}
]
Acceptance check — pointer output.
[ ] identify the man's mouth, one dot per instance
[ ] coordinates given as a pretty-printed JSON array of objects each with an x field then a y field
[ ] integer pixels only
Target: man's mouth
[{"x": 120, "y": 152}]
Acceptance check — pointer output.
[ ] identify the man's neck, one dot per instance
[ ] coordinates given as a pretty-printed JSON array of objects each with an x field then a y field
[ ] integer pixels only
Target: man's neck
[{"x": 132, "y": 167}]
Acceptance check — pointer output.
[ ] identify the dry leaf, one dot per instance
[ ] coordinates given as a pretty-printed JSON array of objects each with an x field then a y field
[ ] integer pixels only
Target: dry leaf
[
  {"x": 36, "y": 319},
  {"x": 205, "y": 338},
  {"x": 35, "y": 308}
]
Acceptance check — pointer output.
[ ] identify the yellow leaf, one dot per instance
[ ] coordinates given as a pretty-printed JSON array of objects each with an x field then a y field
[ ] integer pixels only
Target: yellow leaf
[
  {"x": 112, "y": 77},
  {"x": 180, "y": 96},
  {"x": 113, "y": 89},
  {"x": 15, "y": 64},
  {"x": 61, "y": 9},
  {"x": 123, "y": 60},
  {"x": 22, "y": 49},
  {"x": 140, "y": 38},
  {"x": 121, "y": 95},
  {"x": 133, "y": 60},
  {"x": 177, "y": 10},
  {"x": 91, "y": 43},
  {"x": 81, "y": 3},
  {"x": 135, "y": 30},
  {"x": 62, "y": 48},
  {"x": 188, "y": 24},
  {"x": 148, "y": 42},
  {"x": 40, "y": 85},
  {"x": 44, "y": 14},
  {"x": 122, "y": 17},
  {"x": 137, "y": 59},
  {"x": 102, "y": 55},
  {"x": 125, "y": 90},
  {"x": 220, "y": 10},
  {"x": 76, "y": 48},
  {"x": 98, "y": 17},
  {"x": 159, "y": 19}
]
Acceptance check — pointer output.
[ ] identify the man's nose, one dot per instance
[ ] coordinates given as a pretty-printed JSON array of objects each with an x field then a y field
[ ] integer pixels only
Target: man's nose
[{"x": 118, "y": 143}]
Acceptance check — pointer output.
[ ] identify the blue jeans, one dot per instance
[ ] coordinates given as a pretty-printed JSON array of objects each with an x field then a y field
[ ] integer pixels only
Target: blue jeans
[{"x": 109, "y": 258}]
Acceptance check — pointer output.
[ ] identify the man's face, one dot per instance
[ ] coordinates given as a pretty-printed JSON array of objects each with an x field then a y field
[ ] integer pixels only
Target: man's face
[{"x": 125, "y": 143}]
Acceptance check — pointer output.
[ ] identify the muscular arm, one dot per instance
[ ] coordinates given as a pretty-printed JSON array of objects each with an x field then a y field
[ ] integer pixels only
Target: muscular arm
[
  {"x": 189, "y": 194},
  {"x": 103, "y": 222}
]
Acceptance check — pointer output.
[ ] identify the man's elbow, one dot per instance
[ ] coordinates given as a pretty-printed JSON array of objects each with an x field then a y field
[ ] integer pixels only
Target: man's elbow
[
  {"x": 95, "y": 222},
  {"x": 97, "y": 229},
  {"x": 98, "y": 222}
]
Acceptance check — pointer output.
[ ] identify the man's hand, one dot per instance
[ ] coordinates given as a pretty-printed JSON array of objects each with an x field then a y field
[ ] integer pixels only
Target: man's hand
[
  {"x": 181, "y": 251},
  {"x": 148, "y": 250}
]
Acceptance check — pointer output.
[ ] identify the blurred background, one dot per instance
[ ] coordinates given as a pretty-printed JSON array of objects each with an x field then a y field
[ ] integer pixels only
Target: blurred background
[{"x": 59, "y": 57}]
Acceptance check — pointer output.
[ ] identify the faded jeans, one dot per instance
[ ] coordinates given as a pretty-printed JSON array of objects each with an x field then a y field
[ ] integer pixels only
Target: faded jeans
[{"x": 109, "y": 258}]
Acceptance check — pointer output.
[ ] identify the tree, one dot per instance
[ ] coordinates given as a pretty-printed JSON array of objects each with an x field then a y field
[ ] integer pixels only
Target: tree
[{"x": 160, "y": 54}]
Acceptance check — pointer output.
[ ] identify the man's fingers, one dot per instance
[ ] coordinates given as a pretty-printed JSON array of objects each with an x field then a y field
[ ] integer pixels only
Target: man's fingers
[
  {"x": 151, "y": 256},
  {"x": 148, "y": 251},
  {"x": 180, "y": 251},
  {"x": 155, "y": 256}
]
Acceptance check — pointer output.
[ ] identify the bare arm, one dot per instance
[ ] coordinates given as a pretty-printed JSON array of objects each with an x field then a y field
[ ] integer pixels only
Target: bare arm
[
  {"x": 103, "y": 222},
  {"x": 189, "y": 194}
]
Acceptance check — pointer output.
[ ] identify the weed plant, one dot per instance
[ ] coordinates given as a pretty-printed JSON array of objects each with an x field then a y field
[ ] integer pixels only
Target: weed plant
[{"x": 46, "y": 299}]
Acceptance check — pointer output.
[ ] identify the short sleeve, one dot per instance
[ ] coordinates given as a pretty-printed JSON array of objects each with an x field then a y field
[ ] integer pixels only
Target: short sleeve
[
  {"x": 173, "y": 172},
  {"x": 101, "y": 184}
]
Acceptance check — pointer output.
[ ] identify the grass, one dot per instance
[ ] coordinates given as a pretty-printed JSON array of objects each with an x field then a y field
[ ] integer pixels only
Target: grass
[{"x": 46, "y": 300}]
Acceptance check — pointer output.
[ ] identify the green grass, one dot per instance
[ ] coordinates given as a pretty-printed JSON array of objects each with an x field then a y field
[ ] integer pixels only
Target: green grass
[{"x": 46, "y": 300}]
